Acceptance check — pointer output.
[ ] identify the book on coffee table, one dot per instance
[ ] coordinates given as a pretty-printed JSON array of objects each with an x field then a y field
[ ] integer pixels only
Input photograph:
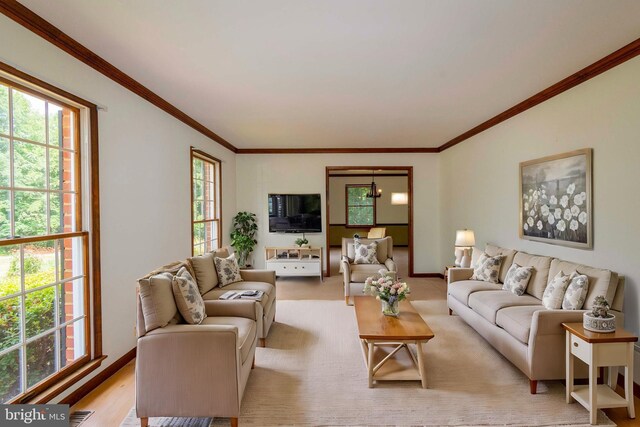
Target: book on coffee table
[{"x": 254, "y": 295}]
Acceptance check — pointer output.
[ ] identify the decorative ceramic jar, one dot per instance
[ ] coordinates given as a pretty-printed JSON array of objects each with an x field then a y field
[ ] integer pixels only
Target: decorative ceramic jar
[{"x": 599, "y": 324}]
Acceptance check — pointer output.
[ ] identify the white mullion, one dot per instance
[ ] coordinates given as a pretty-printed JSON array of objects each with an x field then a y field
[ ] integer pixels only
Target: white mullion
[
  {"x": 46, "y": 166},
  {"x": 12, "y": 203},
  {"x": 23, "y": 323}
]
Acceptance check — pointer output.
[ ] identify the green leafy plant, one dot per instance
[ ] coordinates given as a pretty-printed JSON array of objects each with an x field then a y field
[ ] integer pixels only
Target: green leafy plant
[
  {"x": 302, "y": 240},
  {"x": 243, "y": 235}
]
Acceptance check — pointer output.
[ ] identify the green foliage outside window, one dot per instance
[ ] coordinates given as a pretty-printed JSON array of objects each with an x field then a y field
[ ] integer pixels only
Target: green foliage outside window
[{"x": 360, "y": 208}]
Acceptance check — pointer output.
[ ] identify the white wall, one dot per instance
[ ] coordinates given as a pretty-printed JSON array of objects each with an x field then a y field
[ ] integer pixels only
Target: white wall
[
  {"x": 258, "y": 175},
  {"x": 144, "y": 178},
  {"x": 480, "y": 176},
  {"x": 386, "y": 213}
]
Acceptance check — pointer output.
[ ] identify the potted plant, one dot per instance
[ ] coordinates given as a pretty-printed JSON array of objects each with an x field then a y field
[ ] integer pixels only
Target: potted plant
[
  {"x": 599, "y": 319},
  {"x": 243, "y": 235},
  {"x": 302, "y": 242}
]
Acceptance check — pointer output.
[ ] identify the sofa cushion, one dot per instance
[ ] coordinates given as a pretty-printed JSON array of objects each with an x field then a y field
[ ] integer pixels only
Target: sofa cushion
[
  {"x": 266, "y": 301},
  {"x": 488, "y": 268},
  {"x": 157, "y": 302},
  {"x": 517, "y": 321},
  {"x": 508, "y": 254},
  {"x": 540, "y": 273},
  {"x": 475, "y": 256},
  {"x": 246, "y": 331},
  {"x": 366, "y": 253},
  {"x": 602, "y": 282},
  {"x": 228, "y": 270},
  {"x": 360, "y": 272},
  {"x": 576, "y": 292},
  {"x": 554, "y": 293},
  {"x": 205, "y": 272},
  {"x": 487, "y": 303},
  {"x": 188, "y": 298},
  {"x": 382, "y": 249},
  {"x": 461, "y": 290},
  {"x": 517, "y": 279}
]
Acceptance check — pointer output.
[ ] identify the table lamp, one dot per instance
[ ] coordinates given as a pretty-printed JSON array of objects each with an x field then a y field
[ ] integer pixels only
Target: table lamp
[{"x": 465, "y": 239}]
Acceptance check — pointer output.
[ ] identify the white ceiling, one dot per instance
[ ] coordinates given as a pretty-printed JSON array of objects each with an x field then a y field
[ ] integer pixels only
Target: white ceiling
[{"x": 345, "y": 73}]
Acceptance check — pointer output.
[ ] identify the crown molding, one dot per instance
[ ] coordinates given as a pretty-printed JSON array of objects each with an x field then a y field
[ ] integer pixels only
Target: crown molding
[
  {"x": 38, "y": 25},
  {"x": 608, "y": 62},
  {"x": 385, "y": 150}
]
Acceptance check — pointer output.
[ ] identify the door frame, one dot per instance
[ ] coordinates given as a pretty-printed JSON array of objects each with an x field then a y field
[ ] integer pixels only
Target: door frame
[{"x": 408, "y": 169}]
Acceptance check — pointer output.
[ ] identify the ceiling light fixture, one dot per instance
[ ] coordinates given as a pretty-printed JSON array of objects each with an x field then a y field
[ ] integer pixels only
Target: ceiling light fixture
[{"x": 374, "y": 192}]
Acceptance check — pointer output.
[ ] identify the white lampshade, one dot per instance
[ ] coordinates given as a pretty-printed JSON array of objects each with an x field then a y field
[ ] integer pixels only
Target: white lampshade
[
  {"x": 465, "y": 238},
  {"x": 399, "y": 198}
]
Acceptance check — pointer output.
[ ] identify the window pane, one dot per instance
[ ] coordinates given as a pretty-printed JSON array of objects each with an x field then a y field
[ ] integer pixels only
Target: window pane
[
  {"x": 55, "y": 124},
  {"x": 68, "y": 171},
  {"x": 10, "y": 375},
  {"x": 198, "y": 190},
  {"x": 360, "y": 216},
  {"x": 30, "y": 213},
  {"x": 211, "y": 233},
  {"x": 40, "y": 359},
  {"x": 198, "y": 233},
  {"x": 5, "y": 217},
  {"x": 28, "y": 117},
  {"x": 4, "y": 109},
  {"x": 70, "y": 304},
  {"x": 69, "y": 258},
  {"x": 198, "y": 250},
  {"x": 72, "y": 343},
  {"x": 55, "y": 173},
  {"x": 9, "y": 271},
  {"x": 62, "y": 209},
  {"x": 40, "y": 311},
  {"x": 197, "y": 168},
  {"x": 198, "y": 210},
  {"x": 29, "y": 165},
  {"x": 5, "y": 178},
  {"x": 9, "y": 323}
]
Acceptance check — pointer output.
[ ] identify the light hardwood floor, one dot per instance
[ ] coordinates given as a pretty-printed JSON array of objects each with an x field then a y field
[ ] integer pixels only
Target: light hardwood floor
[{"x": 114, "y": 398}]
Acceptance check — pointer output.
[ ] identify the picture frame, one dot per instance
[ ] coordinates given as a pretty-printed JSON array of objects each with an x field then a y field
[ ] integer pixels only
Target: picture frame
[{"x": 556, "y": 200}]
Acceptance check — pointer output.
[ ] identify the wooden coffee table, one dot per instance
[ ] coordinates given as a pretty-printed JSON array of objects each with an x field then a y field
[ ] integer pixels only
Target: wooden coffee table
[{"x": 383, "y": 338}]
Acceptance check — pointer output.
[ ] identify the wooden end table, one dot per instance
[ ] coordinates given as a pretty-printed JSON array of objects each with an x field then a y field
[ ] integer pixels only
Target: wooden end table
[
  {"x": 383, "y": 338},
  {"x": 600, "y": 349}
]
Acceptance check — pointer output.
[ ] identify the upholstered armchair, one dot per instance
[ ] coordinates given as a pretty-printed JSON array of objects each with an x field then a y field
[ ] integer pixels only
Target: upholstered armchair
[
  {"x": 185, "y": 370},
  {"x": 354, "y": 274}
]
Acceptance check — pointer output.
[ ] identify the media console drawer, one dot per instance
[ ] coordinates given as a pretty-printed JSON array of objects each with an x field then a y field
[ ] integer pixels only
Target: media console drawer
[{"x": 294, "y": 261}]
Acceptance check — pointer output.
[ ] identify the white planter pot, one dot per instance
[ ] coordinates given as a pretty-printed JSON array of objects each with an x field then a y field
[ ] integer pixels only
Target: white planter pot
[{"x": 599, "y": 324}]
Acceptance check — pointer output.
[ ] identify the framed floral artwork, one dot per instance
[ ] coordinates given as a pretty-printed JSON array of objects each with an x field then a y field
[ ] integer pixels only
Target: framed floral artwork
[{"x": 556, "y": 200}]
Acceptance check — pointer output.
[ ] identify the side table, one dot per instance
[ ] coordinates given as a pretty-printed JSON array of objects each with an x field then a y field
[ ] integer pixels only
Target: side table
[{"x": 596, "y": 350}]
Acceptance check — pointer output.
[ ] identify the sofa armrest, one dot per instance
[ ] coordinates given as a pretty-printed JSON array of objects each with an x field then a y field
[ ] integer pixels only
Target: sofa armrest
[
  {"x": 249, "y": 309},
  {"x": 549, "y": 322},
  {"x": 203, "y": 359},
  {"x": 390, "y": 264},
  {"x": 458, "y": 274},
  {"x": 267, "y": 276}
]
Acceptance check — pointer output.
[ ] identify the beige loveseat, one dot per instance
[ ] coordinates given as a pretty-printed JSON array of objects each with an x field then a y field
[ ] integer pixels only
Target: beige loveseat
[
  {"x": 199, "y": 370},
  {"x": 354, "y": 275},
  {"x": 520, "y": 327}
]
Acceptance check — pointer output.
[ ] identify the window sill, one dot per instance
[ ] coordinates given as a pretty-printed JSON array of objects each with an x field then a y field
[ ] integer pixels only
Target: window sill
[{"x": 48, "y": 394}]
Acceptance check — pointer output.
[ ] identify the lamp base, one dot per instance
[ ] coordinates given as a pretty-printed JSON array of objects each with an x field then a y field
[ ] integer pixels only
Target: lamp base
[
  {"x": 466, "y": 258},
  {"x": 458, "y": 253}
]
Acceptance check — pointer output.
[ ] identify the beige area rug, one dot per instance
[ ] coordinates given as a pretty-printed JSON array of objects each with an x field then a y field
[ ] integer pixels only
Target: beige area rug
[{"x": 312, "y": 374}]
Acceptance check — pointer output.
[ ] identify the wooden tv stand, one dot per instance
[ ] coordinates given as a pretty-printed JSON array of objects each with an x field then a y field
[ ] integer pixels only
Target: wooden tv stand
[{"x": 294, "y": 261}]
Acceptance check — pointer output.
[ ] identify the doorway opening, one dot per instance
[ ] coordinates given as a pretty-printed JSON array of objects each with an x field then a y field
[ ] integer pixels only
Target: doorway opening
[{"x": 359, "y": 198}]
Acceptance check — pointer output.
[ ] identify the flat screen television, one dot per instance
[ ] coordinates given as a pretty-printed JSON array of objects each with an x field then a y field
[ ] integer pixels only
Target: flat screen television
[{"x": 295, "y": 213}]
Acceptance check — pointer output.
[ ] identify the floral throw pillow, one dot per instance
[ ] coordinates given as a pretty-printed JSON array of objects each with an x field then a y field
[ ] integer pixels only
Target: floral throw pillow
[
  {"x": 517, "y": 279},
  {"x": 488, "y": 268},
  {"x": 555, "y": 290},
  {"x": 228, "y": 270},
  {"x": 366, "y": 254},
  {"x": 576, "y": 292},
  {"x": 188, "y": 298}
]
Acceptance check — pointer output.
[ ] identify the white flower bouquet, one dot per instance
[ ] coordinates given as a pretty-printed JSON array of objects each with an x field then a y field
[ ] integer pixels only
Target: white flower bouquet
[{"x": 387, "y": 290}]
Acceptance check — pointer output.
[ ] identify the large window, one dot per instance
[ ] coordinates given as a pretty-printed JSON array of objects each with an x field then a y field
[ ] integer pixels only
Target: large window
[
  {"x": 361, "y": 210},
  {"x": 205, "y": 207},
  {"x": 44, "y": 297}
]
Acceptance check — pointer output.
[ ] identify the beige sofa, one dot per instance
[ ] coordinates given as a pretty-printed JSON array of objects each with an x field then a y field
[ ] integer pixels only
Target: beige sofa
[
  {"x": 185, "y": 370},
  {"x": 354, "y": 275},
  {"x": 520, "y": 327}
]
